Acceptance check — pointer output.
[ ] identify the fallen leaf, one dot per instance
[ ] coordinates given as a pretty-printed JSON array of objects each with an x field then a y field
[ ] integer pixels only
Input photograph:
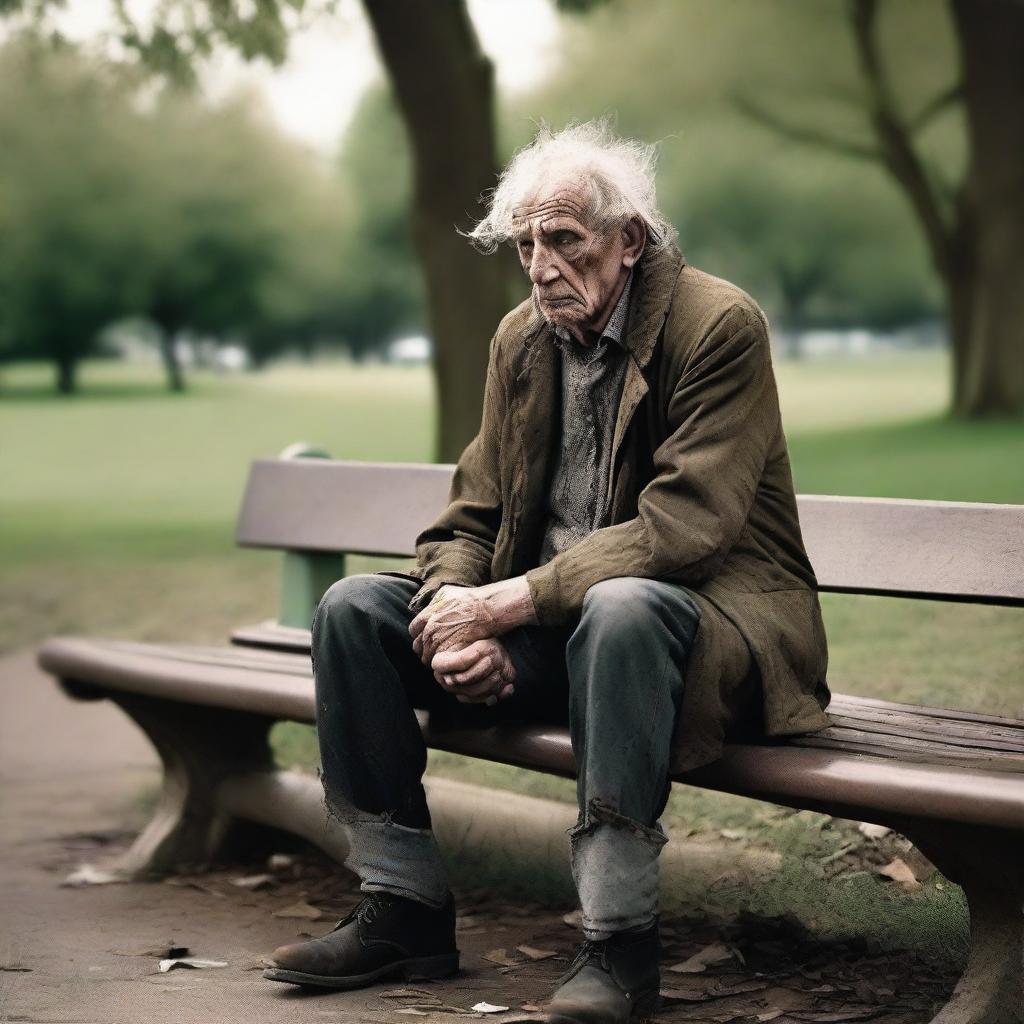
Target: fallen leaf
[
  {"x": 898, "y": 871},
  {"x": 873, "y": 831},
  {"x": 835, "y": 1016},
  {"x": 712, "y": 954},
  {"x": 253, "y": 882},
  {"x": 87, "y": 874},
  {"x": 733, "y": 833},
  {"x": 193, "y": 962},
  {"x": 718, "y": 990},
  {"x": 537, "y": 954},
  {"x": 865, "y": 991},
  {"x": 530, "y": 1007},
  {"x": 299, "y": 910},
  {"x": 501, "y": 957},
  {"x": 786, "y": 999},
  {"x": 684, "y": 995},
  {"x": 164, "y": 952},
  {"x": 16, "y": 968},
  {"x": 485, "y": 1007},
  {"x": 404, "y": 993}
]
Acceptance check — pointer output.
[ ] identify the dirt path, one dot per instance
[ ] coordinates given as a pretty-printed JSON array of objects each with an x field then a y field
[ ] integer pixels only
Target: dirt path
[{"x": 71, "y": 775}]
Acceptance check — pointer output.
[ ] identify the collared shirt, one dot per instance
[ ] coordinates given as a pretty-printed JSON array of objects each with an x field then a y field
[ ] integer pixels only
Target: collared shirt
[{"x": 592, "y": 379}]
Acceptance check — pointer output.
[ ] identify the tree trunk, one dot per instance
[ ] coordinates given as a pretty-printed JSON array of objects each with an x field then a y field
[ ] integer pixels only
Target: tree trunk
[
  {"x": 175, "y": 378},
  {"x": 65, "y": 375},
  {"x": 444, "y": 85},
  {"x": 988, "y": 325}
]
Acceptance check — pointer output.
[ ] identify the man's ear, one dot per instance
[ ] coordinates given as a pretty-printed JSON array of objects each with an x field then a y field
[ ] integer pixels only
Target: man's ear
[{"x": 634, "y": 238}]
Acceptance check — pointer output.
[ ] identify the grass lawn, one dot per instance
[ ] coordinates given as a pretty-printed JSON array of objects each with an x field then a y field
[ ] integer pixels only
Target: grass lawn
[{"x": 118, "y": 510}]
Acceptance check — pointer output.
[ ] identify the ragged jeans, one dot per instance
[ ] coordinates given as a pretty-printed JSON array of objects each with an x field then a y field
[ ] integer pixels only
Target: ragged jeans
[{"x": 615, "y": 677}]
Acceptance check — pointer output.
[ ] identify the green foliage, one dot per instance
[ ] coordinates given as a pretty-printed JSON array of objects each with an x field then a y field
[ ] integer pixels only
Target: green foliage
[
  {"x": 382, "y": 292},
  {"x": 231, "y": 203},
  {"x": 70, "y": 219},
  {"x": 171, "y": 39},
  {"x": 817, "y": 238},
  {"x": 118, "y": 199}
]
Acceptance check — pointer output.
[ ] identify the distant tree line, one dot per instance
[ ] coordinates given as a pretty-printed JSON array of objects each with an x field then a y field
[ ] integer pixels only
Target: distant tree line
[
  {"x": 118, "y": 201},
  {"x": 786, "y": 126}
]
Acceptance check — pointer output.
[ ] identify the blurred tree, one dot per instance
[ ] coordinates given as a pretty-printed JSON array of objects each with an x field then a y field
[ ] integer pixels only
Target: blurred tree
[
  {"x": 382, "y": 291},
  {"x": 72, "y": 207},
  {"x": 443, "y": 83},
  {"x": 116, "y": 203},
  {"x": 812, "y": 262},
  {"x": 226, "y": 194},
  {"x": 693, "y": 73},
  {"x": 975, "y": 227}
]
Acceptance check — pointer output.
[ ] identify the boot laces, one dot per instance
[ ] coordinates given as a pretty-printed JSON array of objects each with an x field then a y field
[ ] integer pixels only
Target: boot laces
[
  {"x": 371, "y": 907},
  {"x": 589, "y": 950}
]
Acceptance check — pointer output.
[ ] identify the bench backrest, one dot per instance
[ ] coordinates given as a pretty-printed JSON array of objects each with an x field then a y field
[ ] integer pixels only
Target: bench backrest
[{"x": 943, "y": 550}]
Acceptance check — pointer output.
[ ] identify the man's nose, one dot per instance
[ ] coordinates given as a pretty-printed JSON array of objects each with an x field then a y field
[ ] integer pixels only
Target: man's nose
[{"x": 542, "y": 267}]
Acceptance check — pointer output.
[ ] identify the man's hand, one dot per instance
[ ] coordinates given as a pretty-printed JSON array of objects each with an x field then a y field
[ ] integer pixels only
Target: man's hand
[
  {"x": 481, "y": 673},
  {"x": 459, "y": 616}
]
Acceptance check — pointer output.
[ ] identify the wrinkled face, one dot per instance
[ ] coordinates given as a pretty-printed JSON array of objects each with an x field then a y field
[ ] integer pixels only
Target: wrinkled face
[{"x": 577, "y": 272}]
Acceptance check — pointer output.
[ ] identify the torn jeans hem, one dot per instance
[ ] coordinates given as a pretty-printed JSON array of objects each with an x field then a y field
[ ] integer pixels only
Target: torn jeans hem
[
  {"x": 389, "y": 857},
  {"x": 614, "y": 862}
]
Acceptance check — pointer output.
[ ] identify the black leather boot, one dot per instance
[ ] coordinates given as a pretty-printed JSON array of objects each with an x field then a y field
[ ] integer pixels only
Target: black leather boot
[
  {"x": 610, "y": 981},
  {"x": 385, "y": 936}
]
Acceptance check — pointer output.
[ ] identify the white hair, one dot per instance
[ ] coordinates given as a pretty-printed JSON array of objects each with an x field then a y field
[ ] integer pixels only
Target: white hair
[{"x": 618, "y": 172}]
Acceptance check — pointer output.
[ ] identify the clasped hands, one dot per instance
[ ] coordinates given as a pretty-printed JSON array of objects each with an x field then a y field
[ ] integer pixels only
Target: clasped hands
[{"x": 457, "y": 635}]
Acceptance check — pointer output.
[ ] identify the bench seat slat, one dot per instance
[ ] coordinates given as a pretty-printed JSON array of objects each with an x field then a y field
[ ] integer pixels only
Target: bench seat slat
[
  {"x": 902, "y": 726},
  {"x": 925, "y": 718},
  {"x": 985, "y": 788},
  {"x": 890, "y": 745},
  {"x": 957, "y": 714},
  {"x": 897, "y": 751}
]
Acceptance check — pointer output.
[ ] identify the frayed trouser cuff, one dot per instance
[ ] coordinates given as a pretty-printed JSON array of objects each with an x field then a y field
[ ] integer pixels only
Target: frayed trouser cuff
[
  {"x": 615, "y": 867},
  {"x": 394, "y": 858}
]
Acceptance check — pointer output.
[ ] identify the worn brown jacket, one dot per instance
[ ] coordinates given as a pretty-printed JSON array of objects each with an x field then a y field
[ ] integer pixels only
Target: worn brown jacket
[{"x": 702, "y": 495}]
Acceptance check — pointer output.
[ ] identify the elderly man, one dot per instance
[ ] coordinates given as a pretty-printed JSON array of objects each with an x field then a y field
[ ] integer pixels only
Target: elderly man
[{"x": 620, "y": 553}]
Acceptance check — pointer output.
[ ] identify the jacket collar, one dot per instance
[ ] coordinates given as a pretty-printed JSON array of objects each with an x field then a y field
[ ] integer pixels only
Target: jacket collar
[{"x": 654, "y": 278}]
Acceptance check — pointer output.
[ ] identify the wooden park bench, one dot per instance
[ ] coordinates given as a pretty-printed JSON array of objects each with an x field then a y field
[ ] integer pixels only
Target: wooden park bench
[{"x": 950, "y": 781}]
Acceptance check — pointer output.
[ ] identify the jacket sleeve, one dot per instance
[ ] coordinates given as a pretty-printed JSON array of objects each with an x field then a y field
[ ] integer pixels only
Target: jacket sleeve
[
  {"x": 723, "y": 417},
  {"x": 458, "y": 546}
]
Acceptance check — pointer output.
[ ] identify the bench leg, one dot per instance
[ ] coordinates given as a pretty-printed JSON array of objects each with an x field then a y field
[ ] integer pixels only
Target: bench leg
[
  {"x": 988, "y": 864},
  {"x": 199, "y": 747}
]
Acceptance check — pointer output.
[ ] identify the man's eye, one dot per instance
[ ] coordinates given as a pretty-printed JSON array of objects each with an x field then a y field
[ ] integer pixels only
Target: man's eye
[
  {"x": 525, "y": 246},
  {"x": 566, "y": 238}
]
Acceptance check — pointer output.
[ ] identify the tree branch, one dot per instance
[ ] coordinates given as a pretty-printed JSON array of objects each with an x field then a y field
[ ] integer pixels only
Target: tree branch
[
  {"x": 935, "y": 106},
  {"x": 803, "y": 133},
  {"x": 894, "y": 144}
]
